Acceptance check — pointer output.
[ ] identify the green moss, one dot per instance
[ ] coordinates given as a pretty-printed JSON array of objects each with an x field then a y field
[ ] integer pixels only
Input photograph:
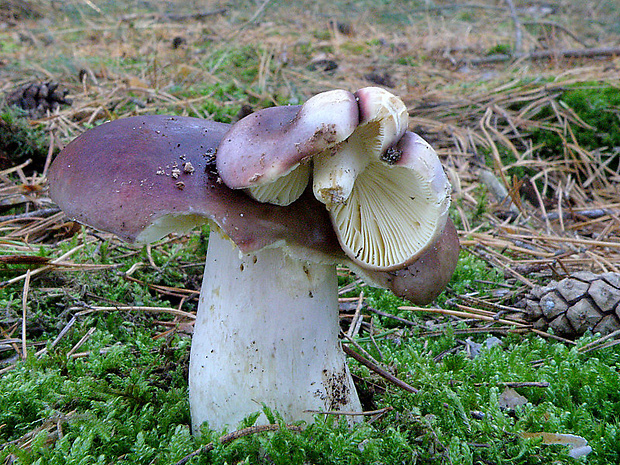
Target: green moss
[
  {"x": 597, "y": 104},
  {"x": 20, "y": 141},
  {"x": 322, "y": 34},
  {"x": 241, "y": 62},
  {"x": 500, "y": 49},
  {"x": 126, "y": 401},
  {"x": 356, "y": 48},
  {"x": 408, "y": 61}
]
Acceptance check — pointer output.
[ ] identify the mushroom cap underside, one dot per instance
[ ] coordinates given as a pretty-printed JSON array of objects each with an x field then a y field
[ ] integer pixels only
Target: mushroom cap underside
[
  {"x": 397, "y": 208},
  {"x": 146, "y": 176},
  {"x": 423, "y": 280}
]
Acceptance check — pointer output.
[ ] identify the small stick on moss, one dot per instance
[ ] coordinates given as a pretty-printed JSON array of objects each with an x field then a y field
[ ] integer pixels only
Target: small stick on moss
[
  {"x": 14, "y": 169},
  {"x": 56, "y": 261},
  {"x": 167, "y": 290},
  {"x": 607, "y": 345},
  {"x": 42, "y": 212},
  {"x": 62, "y": 334},
  {"x": 473, "y": 313},
  {"x": 359, "y": 347},
  {"x": 551, "y": 53},
  {"x": 81, "y": 342},
  {"x": 236, "y": 435},
  {"x": 24, "y": 314},
  {"x": 8, "y": 339},
  {"x": 356, "y": 322},
  {"x": 495, "y": 263},
  {"x": 91, "y": 309},
  {"x": 519, "y": 384},
  {"x": 598, "y": 343},
  {"x": 394, "y": 317},
  {"x": 50, "y": 153},
  {"x": 380, "y": 371},
  {"x": 367, "y": 413}
]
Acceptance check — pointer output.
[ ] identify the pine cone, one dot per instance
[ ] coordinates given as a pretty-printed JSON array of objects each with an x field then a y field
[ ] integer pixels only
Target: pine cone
[
  {"x": 38, "y": 98},
  {"x": 583, "y": 301}
]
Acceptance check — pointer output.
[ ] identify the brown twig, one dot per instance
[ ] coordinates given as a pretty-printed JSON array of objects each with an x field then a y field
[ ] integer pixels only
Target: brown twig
[
  {"x": 519, "y": 384},
  {"x": 601, "y": 342},
  {"x": 175, "y": 17},
  {"x": 61, "y": 335},
  {"x": 557, "y": 26},
  {"x": 30, "y": 215},
  {"x": 172, "y": 311},
  {"x": 517, "y": 25},
  {"x": 367, "y": 413},
  {"x": 166, "y": 290},
  {"x": 380, "y": 371},
  {"x": 393, "y": 317},
  {"x": 81, "y": 342},
  {"x": 554, "y": 53},
  {"x": 44, "y": 268}
]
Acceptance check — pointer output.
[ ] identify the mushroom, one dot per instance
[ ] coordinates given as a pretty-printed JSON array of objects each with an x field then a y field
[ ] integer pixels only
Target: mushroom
[
  {"x": 267, "y": 326},
  {"x": 266, "y": 330}
]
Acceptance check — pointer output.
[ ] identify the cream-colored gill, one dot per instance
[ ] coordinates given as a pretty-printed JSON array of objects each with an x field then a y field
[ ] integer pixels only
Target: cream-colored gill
[
  {"x": 286, "y": 190},
  {"x": 391, "y": 216}
]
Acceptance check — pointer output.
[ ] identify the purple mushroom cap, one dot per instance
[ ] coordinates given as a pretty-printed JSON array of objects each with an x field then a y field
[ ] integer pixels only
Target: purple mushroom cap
[{"x": 133, "y": 176}]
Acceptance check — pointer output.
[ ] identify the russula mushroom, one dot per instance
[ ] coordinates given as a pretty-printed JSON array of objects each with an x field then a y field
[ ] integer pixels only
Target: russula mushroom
[
  {"x": 267, "y": 325},
  {"x": 266, "y": 331}
]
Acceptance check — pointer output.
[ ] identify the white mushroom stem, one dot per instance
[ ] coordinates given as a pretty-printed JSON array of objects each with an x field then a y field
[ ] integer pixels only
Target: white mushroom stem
[{"x": 266, "y": 333}]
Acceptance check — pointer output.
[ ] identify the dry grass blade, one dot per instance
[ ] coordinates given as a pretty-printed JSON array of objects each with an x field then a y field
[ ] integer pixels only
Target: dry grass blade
[
  {"x": 482, "y": 315},
  {"x": 25, "y": 314},
  {"x": 473, "y": 313},
  {"x": 44, "y": 268},
  {"x": 172, "y": 291},
  {"x": 172, "y": 311}
]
